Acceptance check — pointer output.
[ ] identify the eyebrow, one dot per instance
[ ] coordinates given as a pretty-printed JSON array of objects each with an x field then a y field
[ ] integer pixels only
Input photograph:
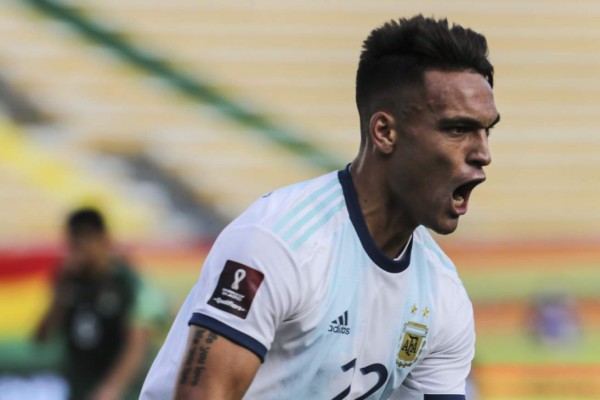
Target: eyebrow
[{"x": 467, "y": 122}]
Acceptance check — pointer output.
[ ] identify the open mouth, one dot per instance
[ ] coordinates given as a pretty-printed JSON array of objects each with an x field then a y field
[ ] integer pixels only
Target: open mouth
[{"x": 461, "y": 194}]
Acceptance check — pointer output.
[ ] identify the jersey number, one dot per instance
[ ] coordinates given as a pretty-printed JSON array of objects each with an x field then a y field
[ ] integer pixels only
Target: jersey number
[{"x": 379, "y": 369}]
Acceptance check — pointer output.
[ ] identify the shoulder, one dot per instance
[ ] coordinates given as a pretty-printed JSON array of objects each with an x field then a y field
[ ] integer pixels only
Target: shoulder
[
  {"x": 264, "y": 239},
  {"x": 450, "y": 292},
  {"x": 436, "y": 257},
  {"x": 275, "y": 208},
  {"x": 292, "y": 214},
  {"x": 438, "y": 263},
  {"x": 121, "y": 269}
]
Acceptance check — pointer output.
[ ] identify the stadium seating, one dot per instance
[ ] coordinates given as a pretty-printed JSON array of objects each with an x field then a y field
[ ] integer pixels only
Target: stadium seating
[
  {"x": 295, "y": 62},
  {"x": 40, "y": 185},
  {"x": 104, "y": 105}
]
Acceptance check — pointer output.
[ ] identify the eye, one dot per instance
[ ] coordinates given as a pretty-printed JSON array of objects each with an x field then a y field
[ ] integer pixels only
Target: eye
[{"x": 457, "y": 130}]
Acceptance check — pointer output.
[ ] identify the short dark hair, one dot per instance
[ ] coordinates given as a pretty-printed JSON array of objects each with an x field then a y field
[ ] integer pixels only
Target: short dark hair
[
  {"x": 85, "y": 221},
  {"x": 397, "y": 54}
]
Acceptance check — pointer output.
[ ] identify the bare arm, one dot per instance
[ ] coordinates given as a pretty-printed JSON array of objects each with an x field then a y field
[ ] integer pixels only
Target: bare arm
[
  {"x": 214, "y": 368},
  {"x": 127, "y": 366}
]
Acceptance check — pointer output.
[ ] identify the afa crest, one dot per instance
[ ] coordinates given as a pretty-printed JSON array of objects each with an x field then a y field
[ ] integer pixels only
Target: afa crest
[{"x": 412, "y": 342}]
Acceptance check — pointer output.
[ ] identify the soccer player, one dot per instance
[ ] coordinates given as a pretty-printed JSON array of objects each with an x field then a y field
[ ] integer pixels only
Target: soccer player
[
  {"x": 333, "y": 288},
  {"x": 96, "y": 308}
]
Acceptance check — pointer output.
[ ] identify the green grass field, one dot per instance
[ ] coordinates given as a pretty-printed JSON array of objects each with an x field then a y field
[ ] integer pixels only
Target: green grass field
[{"x": 582, "y": 281}]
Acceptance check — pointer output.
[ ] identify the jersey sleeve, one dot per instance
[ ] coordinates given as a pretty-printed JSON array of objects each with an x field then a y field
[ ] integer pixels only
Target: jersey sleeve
[
  {"x": 247, "y": 287},
  {"x": 443, "y": 372}
]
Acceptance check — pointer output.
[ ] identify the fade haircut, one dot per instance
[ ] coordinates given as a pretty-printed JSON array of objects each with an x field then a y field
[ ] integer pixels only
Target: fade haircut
[
  {"x": 396, "y": 56},
  {"x": 84, "y": 222}
]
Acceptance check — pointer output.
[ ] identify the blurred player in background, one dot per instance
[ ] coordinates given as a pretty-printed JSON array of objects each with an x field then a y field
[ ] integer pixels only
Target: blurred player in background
[
  {"x": 554, "y": 319},
  {"x": 333, "y": 288},
  {"x": 95, "y": 307}
]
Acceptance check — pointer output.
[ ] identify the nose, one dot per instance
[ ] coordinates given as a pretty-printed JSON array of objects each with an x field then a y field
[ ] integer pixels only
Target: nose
[{"x": 479, "y": 153}]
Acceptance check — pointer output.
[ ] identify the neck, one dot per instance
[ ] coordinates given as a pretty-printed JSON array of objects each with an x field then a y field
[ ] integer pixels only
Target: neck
[
  {"x": 99, "y": 265},
  {"x": 387, "y": 226}
]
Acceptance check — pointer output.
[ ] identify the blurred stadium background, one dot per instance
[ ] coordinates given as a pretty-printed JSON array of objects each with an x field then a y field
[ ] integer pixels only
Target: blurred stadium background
[{"x": 172, "y": 117}]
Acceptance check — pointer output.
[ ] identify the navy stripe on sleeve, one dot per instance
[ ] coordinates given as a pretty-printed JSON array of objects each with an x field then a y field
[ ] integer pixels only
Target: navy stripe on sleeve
[
  {"x": 444, "y": 397},
  {"x": 230, "y": 333}
]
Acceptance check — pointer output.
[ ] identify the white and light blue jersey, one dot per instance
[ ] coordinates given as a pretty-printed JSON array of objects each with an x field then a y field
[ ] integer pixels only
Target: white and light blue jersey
[{"x": 298, "y": 280}]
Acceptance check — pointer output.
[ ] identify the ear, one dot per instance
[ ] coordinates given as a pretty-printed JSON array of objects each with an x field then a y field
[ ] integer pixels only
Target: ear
[{"x": 382, "y": 131}]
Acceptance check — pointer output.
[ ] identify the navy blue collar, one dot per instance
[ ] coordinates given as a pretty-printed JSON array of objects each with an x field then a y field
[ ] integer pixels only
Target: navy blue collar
[{"x": 362, "y": 231}]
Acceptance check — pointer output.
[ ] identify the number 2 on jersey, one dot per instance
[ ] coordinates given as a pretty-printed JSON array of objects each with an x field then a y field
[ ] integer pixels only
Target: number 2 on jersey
[{"x": 379, "y": 369}]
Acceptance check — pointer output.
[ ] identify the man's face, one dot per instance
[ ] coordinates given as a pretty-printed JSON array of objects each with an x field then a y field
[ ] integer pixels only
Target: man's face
[
  {"x": 88, "y": 251},
  {"x": 441, "y": 149}
]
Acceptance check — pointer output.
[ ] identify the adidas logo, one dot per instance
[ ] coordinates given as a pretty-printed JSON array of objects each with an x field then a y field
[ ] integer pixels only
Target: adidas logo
[{"x": 340, "y": 325}]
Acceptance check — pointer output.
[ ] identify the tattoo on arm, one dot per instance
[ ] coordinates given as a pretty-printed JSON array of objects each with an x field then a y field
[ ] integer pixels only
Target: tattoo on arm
[{"x": 195, "y": 361}]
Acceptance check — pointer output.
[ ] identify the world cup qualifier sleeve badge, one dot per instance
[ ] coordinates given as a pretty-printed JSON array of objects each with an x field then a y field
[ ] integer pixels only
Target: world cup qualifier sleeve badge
[
  {"x": 412, "y": 342},
  {"x": 236, "y": 289}
]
